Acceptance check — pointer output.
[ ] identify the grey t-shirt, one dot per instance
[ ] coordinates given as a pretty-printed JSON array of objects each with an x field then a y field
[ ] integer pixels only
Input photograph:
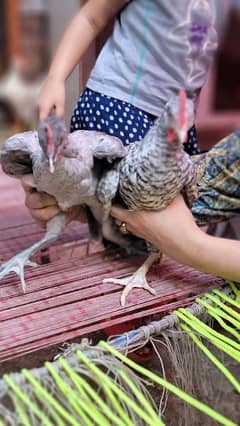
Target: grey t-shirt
[{"x": 158, "y": 46}]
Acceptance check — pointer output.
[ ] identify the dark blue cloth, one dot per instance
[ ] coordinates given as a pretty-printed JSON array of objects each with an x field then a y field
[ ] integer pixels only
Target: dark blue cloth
[{"x": 95, "y": 111}]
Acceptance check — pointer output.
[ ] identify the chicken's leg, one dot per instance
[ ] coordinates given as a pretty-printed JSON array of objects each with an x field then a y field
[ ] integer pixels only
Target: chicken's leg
[
  {"x": 137, "y": 280},
  {"x": 16, "y": 264}
]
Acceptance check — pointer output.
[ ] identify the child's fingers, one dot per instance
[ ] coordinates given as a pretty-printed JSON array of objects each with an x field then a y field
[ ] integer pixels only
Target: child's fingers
[
  {"x": 45, "y": 214},
  {"x": 39, "y": 200}
]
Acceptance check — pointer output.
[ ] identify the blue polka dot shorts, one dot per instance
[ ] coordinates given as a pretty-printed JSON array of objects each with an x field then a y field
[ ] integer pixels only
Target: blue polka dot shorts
[{"x": 95, "y": 111}]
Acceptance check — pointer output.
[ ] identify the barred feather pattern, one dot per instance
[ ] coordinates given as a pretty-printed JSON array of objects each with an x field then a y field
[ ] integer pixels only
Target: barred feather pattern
[{"x": 155, "y": 171}]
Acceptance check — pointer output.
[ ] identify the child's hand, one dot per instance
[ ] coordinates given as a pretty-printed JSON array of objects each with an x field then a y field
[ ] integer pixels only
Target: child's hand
[
  {"x": 43, "y": 207},
  {"x": 52, "y": 95}
]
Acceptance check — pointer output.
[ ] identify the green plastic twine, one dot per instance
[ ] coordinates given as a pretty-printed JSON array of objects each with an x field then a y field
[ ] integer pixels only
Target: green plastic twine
[
  {"x": 219, "y": 340},
  {"x": 224, "y": 307},
  {"x": 227, "y": 298},
  {"x": 235, "y": 290},
  {"x": 212, "y": 357},
  {"x": 120, "y": 394},
  {"x": 21, "y": 412},
  {"x": 214, "y": 340},
  {"x": 141, "y": 398},
  {"x": 88, "y": 404},
  {"x": 40, "y": 392},
  {"x": 215, "y": 313},
  {"x": 51, "y": 412},
  {"x": 176, "y": 391},
  {"x": 77, "y": 404},
  {"x": 26, "y": 400},
  {"x": 79, "y": 381},
  {"x": 226, "y": 327},
  {"x": 106, "y": 381},
  {"x": 208, "y": 329}
]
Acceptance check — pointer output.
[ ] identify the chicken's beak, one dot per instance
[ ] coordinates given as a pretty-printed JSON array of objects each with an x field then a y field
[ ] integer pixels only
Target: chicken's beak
[
  {"x": 51, "y": 164},
  {"x": 183, "y": 135},
  {"x": 182, "y": 117}
]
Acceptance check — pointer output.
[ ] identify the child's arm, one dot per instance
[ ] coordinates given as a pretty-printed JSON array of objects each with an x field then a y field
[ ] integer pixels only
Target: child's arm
[{"x": 83, "y": 29}]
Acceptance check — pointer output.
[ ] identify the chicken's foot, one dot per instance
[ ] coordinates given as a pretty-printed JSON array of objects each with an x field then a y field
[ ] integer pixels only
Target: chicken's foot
[
  {"x": 137, "y": 280},
  {"x": 17, "y": 263}
]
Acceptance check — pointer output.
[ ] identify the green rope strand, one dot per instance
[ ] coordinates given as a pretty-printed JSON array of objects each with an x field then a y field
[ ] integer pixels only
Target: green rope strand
[
  {"x": 235, "y": 290},
  {"x": 226, "y": 327},
  {"x": 76, "y": 402},
  {"x": 169, "y": 386},
  {"x": 198, "y": 326},
  {"x": 212, "y": 357},
  {"x": 42, "y": 392},
  {"x": 117, "y": 406},
  {"x": 69, "y": 370},
  {"x": 149, "y": 409},
  {"x": 120, "y": 394},
  {"x": 215, "y": 315},
  {"x": 21, "y": 412},
  {"x": 226, "y": 308},
  {"x": 79, "y": 381},
  {"x": 26, "y": 400},
  {"x": 227, "y": 298}
]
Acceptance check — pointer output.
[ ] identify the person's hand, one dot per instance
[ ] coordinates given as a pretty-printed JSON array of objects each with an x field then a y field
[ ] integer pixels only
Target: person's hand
[
  {"x": 52, "y": 95},
  {"x": 43, "y": 207},
  {"x": 172, "y": 230},
  {"x": 175, "y": 233}
]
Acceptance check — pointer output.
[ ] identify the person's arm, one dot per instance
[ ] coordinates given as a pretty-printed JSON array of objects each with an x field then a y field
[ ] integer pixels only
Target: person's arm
[
  {"x": 82, "y": 30},
  {"x": 175, "y": 233}
]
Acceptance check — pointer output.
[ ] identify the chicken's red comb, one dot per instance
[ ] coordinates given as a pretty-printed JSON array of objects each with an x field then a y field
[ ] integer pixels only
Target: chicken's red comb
[{"x": 182, "y": 108}]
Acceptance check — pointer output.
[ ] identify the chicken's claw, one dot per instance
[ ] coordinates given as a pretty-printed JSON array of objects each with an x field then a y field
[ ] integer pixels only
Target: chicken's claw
[
  {"x": 16, "y": 264},
  {"x": 137, "y": 280}
]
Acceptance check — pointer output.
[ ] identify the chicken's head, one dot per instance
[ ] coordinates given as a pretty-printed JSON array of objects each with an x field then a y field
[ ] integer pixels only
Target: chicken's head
[
  {"x": 52, "y": 135},
  {"x": 180, "y": 117}
]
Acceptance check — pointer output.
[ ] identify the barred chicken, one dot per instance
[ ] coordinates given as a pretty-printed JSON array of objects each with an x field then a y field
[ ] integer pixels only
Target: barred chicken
[{"x": 154, "y": 171}]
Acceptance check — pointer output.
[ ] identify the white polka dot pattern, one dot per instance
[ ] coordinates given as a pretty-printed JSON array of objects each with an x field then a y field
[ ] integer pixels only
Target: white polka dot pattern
[{"x": 96, "y": 111}]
